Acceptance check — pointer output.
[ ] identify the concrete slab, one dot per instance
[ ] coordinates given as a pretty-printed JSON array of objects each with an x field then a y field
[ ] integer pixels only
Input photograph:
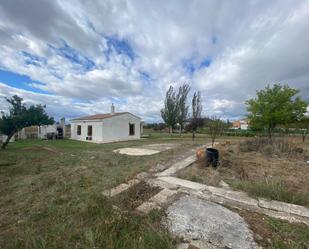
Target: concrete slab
[
  {"x": 145, "y": 150},
  {"x": 178, "y": 166},
  {"x": 236, "y": 199},
  {"x": 183, "y": 246},
  {"x": 196, "y": 219},
  {"x": 182, "y": 183},
  {"x": 136, "y": 151},
  {"x": 117, "y": 190},
  {"x": 163, "y": 196},
  {"x": 146, "y": 207},
  {"x": 284, "y": 207},
  {"x": 160, "y": 147},
  {"x": 157, "y": 201},
  {"x": 204, "y": 245}
]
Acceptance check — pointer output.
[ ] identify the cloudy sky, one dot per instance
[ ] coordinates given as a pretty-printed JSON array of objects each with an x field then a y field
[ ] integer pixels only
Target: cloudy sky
[{"x": 78, "y": 57}]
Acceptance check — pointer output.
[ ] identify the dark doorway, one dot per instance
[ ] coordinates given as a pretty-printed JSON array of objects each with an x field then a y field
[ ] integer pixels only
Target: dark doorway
[
  {"x": 131, "y": 129},
  {"x": 89, "y": 133}
]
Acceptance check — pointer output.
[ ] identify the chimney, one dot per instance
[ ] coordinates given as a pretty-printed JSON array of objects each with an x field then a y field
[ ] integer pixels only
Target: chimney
[
  {"x": 112, "y": 109},
  {"x": 62, "y": 122}
]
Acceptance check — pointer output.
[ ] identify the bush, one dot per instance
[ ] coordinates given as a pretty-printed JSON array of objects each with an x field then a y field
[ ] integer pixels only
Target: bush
[{"x": 278, "y": 146}]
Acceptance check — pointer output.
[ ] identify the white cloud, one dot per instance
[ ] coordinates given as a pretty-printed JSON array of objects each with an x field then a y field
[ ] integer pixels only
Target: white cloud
[{"x": 249, "y": 43}]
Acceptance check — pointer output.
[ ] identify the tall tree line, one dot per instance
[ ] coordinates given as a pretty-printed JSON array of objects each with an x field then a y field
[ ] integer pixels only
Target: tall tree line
[{"x": 176, "y": 109}]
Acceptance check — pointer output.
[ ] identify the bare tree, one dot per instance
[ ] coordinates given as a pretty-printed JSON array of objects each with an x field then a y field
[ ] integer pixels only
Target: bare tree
[
  {"x": 215, "y": 128},
  {"x": 196, "y": 120},
  {"x": 182, "y": 106}
]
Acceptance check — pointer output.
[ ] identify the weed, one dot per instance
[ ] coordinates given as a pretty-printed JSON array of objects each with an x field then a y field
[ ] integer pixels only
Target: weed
[
  {"x": 271, "y": 190},
  {"x": 287, "y": 235},
  {"x": 278, "y": 146}
]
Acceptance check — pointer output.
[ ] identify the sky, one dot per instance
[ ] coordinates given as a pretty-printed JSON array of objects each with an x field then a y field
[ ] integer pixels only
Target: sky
[{"x": 77, "y": 57}]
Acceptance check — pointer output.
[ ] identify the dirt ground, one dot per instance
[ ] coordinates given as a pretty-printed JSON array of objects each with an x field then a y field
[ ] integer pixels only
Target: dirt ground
[
  {"x": 135, "y": 196},
  {"x": 286, "y": 171}
]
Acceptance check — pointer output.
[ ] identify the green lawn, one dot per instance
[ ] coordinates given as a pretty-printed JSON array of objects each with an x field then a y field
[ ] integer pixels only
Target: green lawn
[{"x": 51, "y": 194}]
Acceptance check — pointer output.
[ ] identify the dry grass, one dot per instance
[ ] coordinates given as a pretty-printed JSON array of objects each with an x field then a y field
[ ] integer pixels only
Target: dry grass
[{"x": 277, "y": 172}]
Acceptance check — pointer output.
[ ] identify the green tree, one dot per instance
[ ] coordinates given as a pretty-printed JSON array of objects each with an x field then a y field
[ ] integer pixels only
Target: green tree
[
  {"x": 182, "y": 106},
  {"x": 170, "y": 111},
  {"x": 273, "y": 106},
  {"x": 20, "y": 116}
]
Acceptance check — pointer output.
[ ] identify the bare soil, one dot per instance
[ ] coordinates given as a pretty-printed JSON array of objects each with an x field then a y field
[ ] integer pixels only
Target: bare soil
[{"x": 135, "y": 196}]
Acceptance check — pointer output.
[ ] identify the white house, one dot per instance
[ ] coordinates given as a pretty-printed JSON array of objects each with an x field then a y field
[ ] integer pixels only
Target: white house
[{"x": 105, "y": 128}]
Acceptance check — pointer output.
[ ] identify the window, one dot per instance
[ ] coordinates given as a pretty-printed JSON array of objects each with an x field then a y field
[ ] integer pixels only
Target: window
[
  {"x": 131, "y": 129},
  {"x": 89, "y": 133},
  {"x": 79, "y": 130}
]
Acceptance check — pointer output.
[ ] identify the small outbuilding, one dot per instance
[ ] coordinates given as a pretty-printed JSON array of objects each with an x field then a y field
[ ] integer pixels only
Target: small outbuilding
[{"x": 108, "y": 127}]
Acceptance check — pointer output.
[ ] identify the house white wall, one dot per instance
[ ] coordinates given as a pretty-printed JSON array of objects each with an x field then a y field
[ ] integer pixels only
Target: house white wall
[
  {"x": 117, "y": 128},
  {"x": 97, "y": 128},
  {"x": 44, "y": 129},
  {"x": 107, "y": 130}
]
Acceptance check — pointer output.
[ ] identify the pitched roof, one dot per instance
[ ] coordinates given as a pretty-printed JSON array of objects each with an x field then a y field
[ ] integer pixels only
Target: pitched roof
[{"x": 102, "y": 116}]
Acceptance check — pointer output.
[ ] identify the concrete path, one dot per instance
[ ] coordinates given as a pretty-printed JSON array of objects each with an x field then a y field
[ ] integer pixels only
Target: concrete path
[
  {"x": 193, "y": 219},
  {"x": 236, "y": 199},
  {"x": 178, "y": 166},
  {"x": 195, "y": 211}
]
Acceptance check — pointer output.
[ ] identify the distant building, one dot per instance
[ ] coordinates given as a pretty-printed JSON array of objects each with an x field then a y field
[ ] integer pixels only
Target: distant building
[
  {"x": 108, "y": 127},
  {"x": 53, "y": 131},
  {"x": 241, "y": 124}
]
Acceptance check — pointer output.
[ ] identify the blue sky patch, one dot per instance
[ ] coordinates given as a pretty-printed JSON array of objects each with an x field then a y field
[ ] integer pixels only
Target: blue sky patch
[
  {"x": 18, "y": 81},
  {"x": 145, "y": 77},
  {"x": 205, "y": 63},
  {"x": 192, "y": 66},
  {"x": 120, "y": 46},
  {"x": 189, "y": 66},
  {"x": 31, "y": 59},
  {"x": 74, "y": 56}
]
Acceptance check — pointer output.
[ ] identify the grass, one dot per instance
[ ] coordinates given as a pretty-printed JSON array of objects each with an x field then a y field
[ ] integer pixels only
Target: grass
[
  {"x": 279, "y": 175},
  {"x": 287, "y": 235},
  {"x": 271, "y": 190},
  {"x": 274, "y": 233},
  {"x": 99, "y": 226},
  {"x": 51, "y": 194}
]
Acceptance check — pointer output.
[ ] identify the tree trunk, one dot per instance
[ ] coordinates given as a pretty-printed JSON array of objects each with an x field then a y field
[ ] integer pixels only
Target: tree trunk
[
  {"x": 171, "y": 129},
  {"x": 7, "y": 141},
  {"x": 193, "y": 135},
  {"x": 304, "y": 135},
  {"x": 269, "y": 133}
]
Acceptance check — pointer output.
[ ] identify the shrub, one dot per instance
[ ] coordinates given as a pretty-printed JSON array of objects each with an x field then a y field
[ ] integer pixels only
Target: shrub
[{"x": 278, "y": 146}]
